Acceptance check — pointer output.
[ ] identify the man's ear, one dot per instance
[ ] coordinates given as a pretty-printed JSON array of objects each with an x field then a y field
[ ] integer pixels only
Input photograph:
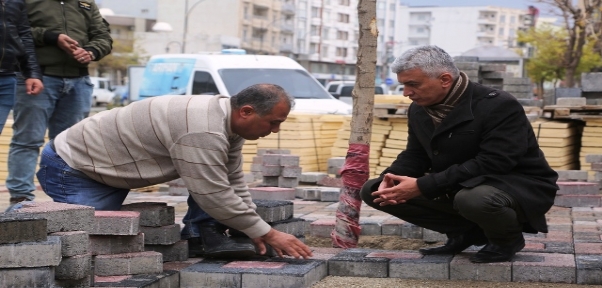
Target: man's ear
[
  {"x": 246, "y": 111},
  {"x": 446, "y": 79}
]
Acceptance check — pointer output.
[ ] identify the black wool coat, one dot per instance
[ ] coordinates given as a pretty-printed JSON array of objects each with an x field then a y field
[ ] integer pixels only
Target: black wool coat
[{"x": 485, "y": 140}]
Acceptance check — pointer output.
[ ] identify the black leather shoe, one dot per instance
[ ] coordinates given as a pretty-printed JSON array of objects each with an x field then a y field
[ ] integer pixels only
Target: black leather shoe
[
  {"x": 195, "y": 247},
  {"x": 216, "y": 244},
  {"x": 495, "y": 253},
  {"x": 455, "y": 245}
]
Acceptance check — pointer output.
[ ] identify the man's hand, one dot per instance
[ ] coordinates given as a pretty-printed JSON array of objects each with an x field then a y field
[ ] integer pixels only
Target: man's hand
[
  {"x": 82, "y": 56},
  {"x": 33, "y": 86},
  {"x": 67, "y": 44},
  {"x": 390, "y": 194},
  {"x": 283, "y": 244}
]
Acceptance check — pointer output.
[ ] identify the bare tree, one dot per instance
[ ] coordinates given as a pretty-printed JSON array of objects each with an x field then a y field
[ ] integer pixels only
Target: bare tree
[
  {"x": 356, "y": 170},
  {"x": 577, "y": 20}
]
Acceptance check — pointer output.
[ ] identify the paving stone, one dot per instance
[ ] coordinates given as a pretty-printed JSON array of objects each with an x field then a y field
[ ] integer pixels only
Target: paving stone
[
  {"x": 272, "y": 193},
  {"x": 27, "y": 277},
  {"x": 593, "y": 158},
  {"x": 270, "y": 181},
  {"x": 411, "y": 231},
  {"x": 288, "y": 182},
  {"x": 567, "y": 92},
  {"x": 329, "y": 194},
  {"x": 270, "y": 170},
  {"x": 179, "y": 265},
  {"x": 74, "y": 283},
  {"x": 311, "y": 177},
  {"x": 354, "y": 262},
  {"x": 271, "y": 160},
  {"x": 174, "y": 252},
  {"x": 263, "y": 152},
  {"x": 73, "y": 242},
  {"x": 392, "y": 226},
  {"x": 273, "y": 210},
  {"x": 74, "y": 267},
  {"x": 572, "y": 175},
  {"x": 589, "y": 269},
  {"x": 294, "y": 226},
  {"x": 413, "y": 265},
  {"x": 322, "y": 253},
  {"x": 105, "y": 244},
  {"x": 289, "y": 160},
  {"x": 291, "y": 171},
  {"x": 321, "y": 227},
  {"x": 164, "y": 235},
  {"x": 18, "y": 227},
  {"x": 116, "y": 223},
  {"x": 370, "y": 227},
  {"x": 591, "y": 82},
  {"x": 128, "y": 263},
  {"x": 308, "y": 193},
  {"x": 152, "y": 214},
  {"x": 489, "y": 67},
  {"x": 461, "y": 268},
  {"x": 431, "y": 236},
  {"x": 571, "y": 101},
  {"x": 577, "y": 200},
  {"x": 578, "y": 188},
  {"x": 165, "y": 279},
  {"x": 277, "y": 272},
  {"x": 543, "y": 267},
  {"x": 61, "y": 216},
  {"x": 31, "y": 254}
]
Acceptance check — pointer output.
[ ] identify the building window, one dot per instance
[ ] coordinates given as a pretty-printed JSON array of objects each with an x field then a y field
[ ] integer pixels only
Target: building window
[
  {"x": 342, "y": 35},
  {"x": 313, "y": 48},
  {"x": 314, "y": 30},
  {"x": 258, "y": 33},
  {"x": 341, "y": 52},
  {"x": 344, "y": 2},
  {"x": 512, "y": 19},
  {"x": 503, "y": 18},
  {"x": 324, "y": 51},
  {"x": 392, "y": 6},
  {"x": 260, "y": 12},
  {"x": 344, "y": 18},
  {"x": 325, "y": 32},
  {"x": 315, "y": 12},
  {"x": 501, "y": 31}
]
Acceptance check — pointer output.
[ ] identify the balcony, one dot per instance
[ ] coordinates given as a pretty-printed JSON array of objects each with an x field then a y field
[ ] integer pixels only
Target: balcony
[
  {"x": 288, "y": 9},
  {"x": 286, "y": 47},
  {"x": 287, "y": 28}
]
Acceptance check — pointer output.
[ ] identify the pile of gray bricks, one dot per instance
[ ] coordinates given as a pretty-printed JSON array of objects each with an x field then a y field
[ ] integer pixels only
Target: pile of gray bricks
[
  {"x": 280, "y": 170},
  {"x": 63, "y": 254},
  {"x": 256, "y": 165},
  {"x": 591, "y": 86},
  {"x": 161, "y": 234},
  {"x": 334, "y": 166}
]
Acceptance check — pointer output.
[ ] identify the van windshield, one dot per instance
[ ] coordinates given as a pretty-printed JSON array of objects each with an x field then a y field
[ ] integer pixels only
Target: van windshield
[{"x": 297, "y": 83}]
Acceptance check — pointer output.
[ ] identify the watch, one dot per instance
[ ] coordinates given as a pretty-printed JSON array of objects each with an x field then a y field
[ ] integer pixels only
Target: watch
[{"x": 92, "y": 55}]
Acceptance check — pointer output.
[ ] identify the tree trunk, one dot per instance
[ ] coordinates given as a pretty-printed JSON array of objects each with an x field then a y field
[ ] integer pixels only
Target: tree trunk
[{"x": 356, "y": 170}]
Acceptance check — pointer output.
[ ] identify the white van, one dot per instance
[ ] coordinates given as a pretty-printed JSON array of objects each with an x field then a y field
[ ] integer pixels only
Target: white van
[
  {"x": 228, "y": 74},
  {"x": 342, "y": 90},
  {"x": 102, "y": 93}
]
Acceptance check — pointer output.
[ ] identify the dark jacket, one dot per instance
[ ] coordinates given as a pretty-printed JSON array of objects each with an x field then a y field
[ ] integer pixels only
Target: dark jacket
[
  {"x": 485, "y": 140},
  {"x": 78, "y": 19},
  {"x": 16, "y": 43}
]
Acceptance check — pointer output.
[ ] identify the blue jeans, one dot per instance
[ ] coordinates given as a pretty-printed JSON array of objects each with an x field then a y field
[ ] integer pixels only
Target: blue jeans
[
  {"x": 67, "y": 185},
  {"x": 61, "y": 104},
  {"x": 8, "y": 88}
]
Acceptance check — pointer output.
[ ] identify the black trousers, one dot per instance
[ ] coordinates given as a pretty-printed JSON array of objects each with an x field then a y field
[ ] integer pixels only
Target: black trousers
[{"x": 483, "y": 207}]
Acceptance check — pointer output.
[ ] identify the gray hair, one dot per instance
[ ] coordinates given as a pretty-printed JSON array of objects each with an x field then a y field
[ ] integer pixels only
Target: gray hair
[
  {"x": 432, "y": 60},
  {"x": 262, "y": 97}
]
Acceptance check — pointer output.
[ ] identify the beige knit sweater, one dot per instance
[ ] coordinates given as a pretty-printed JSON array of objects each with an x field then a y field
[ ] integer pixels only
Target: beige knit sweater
[{"x": 163, "y": 138}]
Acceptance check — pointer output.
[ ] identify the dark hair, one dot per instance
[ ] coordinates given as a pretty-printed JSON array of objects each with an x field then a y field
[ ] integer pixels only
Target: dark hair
[{"x": 262, "y": 97}]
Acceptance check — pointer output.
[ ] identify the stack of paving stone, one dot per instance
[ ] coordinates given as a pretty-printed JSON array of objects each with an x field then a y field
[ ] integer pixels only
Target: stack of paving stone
[
  {"x": 591, "y": 141},
  {"x": 249, "y": 150},
  {"x": 161, "y": 234},
  {"x": 560, "y": 142},
  {"x": 578, "y": 194},
  {"x": 118, "y": 248},
  {"x": 591, "y": 86},
  {"x": 395, "y": 143},
  {"x": 492, "y": 75},
  {"x": 280, "y": 170},
  {"x": 28, "y": 256},
  {"x": 307, "y": 135},
  {"x": 67, "y": 226},
  {"x": 310, "y": 191},
  {"x": 594, "y": 170},
  {"x": 257, "y": 160},
  {"x": 468, "y": 65}
]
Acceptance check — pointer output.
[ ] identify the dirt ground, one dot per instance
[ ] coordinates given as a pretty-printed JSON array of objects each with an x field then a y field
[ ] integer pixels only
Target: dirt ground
[{"x": 398, "y": 243}]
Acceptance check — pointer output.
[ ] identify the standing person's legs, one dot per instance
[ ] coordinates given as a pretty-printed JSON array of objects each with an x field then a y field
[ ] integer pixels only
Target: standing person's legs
[
  {"x": 31, "y": 114},
  {"x": 8, "y": 88},
  {"x": 67, "y": 185},
  {"x": 70, "y": 107}
]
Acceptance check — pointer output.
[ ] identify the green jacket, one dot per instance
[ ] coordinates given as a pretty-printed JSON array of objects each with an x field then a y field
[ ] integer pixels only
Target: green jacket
[{"x": 79, "y": 20}]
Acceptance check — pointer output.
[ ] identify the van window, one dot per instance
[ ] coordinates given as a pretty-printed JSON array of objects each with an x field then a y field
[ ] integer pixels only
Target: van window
[
  {"x": 101, "y": 85},
  {"x": 378, "y": 90},
  {"x": 297, "y": 83},
  {"x": 203, "y": 84},
  {"x": 346, "y": 91},
  {"x": 333, "y": 88}
]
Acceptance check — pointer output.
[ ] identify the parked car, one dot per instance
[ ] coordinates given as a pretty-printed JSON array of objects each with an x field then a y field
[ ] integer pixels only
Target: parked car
[
  {"x": 102, "y": 92},
  {"x": 398, "y": 90},
  {"x": 342, "y": 90}
]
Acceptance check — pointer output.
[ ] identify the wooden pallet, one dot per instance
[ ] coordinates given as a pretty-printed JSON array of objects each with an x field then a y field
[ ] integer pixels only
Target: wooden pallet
[
  {"x": 572, "y": 112},
  {"x": 391, "y": 110}
]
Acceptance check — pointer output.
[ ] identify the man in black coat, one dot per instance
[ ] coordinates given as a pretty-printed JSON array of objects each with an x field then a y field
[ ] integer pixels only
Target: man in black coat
[{"x": 472, "y": 168}]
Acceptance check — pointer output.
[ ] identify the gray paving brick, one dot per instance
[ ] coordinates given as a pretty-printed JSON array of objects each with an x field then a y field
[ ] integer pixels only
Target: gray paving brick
[
  {"x": 116, "y": 223},
  {"x": 263, "y": 152},
  {"x": 589, "y": 269},
  {"x": 571, "y": 101},
  {"x": 577, "y": 200},
  {"x": 289, "y": 160},
  {"x": 329, "y": 194},
  {"x": 74, "y": 267},
  {"x": 272, "y": 193},
  {"x": 572, "y": 175},
  {"x": 165, "y": 279},
  {"x": 353, "y": 262},
  {"x": 311, "y": 177},
  {"x": 416, "y": 266},
  {"x": 578, "y": 188},
  {"x": 164, "y": 235},
  {"x": 308, "y": 193},
  {"x": 276, "y": 272},
  {"x": 392, "y": 227},
  {"x": 73, "y": 242},
  {"x": 270, "y": 170},
  {"x": 152, "y": 214},
  {"x": 18, "y": 227},
  {"x": 31, "y": 254},
  {"x": 411, "y": 231},
  {"x": 291, "y": 171},
  {"x": 274, "y": 210},
  {"x": 41, "y": 277},
  {"x": 593, "y": 158},
  {"x": 567, "y": 92},
  {"x": 461, "y": 268},
  {"x": 321, "y": 227},
  {"x": 431, "y": 236},
  {"x": 174, "y": 252},
  {"x": 543, "y": 267},
  {"x": 271, "y": 159},
  {"x": 61, "y": 216},
  {"x": 295, "y": 226},
  {"x": 370, "y": 227},
  {"x": 288, "y": 182},
  {"x": 591, "y": 82},
  {"x": 128, "y": 263},
  {"x": 105, "y": 244}
]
